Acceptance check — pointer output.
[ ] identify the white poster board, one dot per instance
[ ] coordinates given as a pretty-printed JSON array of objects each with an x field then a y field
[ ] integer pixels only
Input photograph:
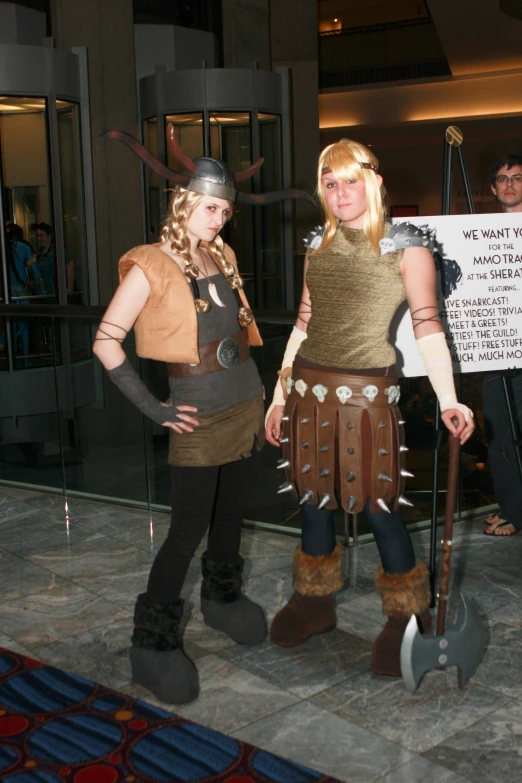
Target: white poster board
[{"x": 482, "y": 315}]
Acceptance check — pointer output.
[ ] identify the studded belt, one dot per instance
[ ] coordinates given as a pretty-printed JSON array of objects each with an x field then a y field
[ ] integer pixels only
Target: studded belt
[
  {"x": 215, "y": 356},
  {"x": 360, "y": 390}
]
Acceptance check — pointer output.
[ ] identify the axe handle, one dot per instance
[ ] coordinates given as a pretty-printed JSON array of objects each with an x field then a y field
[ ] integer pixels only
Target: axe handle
[{"x": 453, "y": 479}]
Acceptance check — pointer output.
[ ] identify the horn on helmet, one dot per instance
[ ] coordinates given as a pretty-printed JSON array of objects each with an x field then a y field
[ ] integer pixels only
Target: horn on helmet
[
  {"x": 262, "y": 199},
  {"x": 147, "y": 158},
  {"x": 254, "y": 199},
  {"x": 178, "y": 151},
  {"x": 189, "y": 165}
]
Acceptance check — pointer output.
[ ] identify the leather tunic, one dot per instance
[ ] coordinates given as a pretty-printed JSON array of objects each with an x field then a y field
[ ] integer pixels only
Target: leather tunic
[{"x": 167, "y": 327}]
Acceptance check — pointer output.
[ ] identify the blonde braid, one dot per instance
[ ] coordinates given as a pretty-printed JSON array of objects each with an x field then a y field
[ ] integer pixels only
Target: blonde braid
[
  {"x": 181, "y": 207},
  {"x": 182, "y": 204},
  {"x": 217, "y": 246}
]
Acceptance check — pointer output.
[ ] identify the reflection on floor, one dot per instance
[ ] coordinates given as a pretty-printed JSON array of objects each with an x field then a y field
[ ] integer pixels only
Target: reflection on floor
[{"x": 67, "y": 590}]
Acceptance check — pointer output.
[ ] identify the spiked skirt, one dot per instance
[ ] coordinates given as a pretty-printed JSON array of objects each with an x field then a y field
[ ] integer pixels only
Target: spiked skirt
[{"x": 343, "y": 440}]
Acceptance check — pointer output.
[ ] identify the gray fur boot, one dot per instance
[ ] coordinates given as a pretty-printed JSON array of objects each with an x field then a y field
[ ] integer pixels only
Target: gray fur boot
[
  {"x": 223, "y": 605},
  {"x": 157, "y": 658}
]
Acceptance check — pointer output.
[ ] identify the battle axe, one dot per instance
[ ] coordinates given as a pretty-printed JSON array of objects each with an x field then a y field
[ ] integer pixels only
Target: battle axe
[{"x": 463, "y": 645}]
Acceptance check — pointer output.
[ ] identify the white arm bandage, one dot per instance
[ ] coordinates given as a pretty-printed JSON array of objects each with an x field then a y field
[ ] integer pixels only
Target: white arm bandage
[
  {"x": 437, "y": 361},
  {"x": 294, "y": 342}
]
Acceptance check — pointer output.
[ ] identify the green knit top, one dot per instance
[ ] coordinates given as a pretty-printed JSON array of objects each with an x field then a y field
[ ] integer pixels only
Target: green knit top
[{"x": 355, "y": 293}]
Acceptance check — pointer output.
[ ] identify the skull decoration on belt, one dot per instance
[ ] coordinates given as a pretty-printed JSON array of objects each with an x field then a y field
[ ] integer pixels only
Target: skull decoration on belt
[
  {"x": 210, "y": 177},
  {"x": 394, "y": 394},
  {"x": 370, "y": 392}
]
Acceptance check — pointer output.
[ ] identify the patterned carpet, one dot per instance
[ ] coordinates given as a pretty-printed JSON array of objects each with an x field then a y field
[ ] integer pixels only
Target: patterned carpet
[{"x": 56, "y": 727}]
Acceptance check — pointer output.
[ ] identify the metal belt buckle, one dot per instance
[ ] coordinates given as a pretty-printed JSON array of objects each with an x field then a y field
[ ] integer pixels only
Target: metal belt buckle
[{"x": 228, "y": 352}]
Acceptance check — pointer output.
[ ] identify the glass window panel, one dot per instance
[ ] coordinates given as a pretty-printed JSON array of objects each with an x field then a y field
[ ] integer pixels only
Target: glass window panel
[
  {"x": 3, "y": 347},
  {"x": 272, "y": 214},
  {"x": 231, "y": 140},
  {"x": 189, "y": 132},
  {"x": 152, "y": 182},
  {"x": 104, "y": 445},
  {"x": 26, "y": 201},
  {"x": 76, "y": 271},
  {"x": 31, "y": 447}
]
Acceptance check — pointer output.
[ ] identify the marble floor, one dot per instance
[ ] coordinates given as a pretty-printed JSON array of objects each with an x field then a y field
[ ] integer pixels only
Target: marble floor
[{"x": 67, "y": 589}]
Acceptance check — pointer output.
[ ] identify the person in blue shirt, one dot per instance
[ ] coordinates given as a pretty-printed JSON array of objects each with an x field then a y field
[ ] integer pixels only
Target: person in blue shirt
[
  {"x": 21, "y": 267},
  {"x": 24, "y": 278},
  {"x": 46, "y": 259}
]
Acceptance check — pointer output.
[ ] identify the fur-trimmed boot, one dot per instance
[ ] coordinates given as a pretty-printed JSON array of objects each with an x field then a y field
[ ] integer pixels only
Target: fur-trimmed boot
[
  {"x": 223, "y": 605},
  {"x": 157, "y": 658},
  {"x": 311, "y": 608},
  {"x": 402, "y": 596}
]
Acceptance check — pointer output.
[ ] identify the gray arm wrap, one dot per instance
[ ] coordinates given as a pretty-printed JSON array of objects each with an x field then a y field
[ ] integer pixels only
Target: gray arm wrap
[{"x": 128, "y": 381}]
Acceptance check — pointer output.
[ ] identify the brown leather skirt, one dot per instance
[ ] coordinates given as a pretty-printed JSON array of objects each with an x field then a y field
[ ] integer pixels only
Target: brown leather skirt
[{"x": 342, "y": 439}]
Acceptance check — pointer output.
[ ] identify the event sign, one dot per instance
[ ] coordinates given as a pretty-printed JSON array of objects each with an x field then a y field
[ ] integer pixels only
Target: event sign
[{"x": 480, "y": 296}]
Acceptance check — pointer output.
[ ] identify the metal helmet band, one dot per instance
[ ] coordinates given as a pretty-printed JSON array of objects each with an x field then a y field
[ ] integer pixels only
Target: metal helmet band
[{"x": 213, "y": 177}]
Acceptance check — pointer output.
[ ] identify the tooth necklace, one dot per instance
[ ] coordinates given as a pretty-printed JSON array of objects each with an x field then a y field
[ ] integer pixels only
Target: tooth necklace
[{"x": 212, "y": 290}]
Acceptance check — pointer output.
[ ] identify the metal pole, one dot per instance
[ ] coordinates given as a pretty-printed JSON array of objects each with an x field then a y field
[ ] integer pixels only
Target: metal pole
[
  {"x": 465, "y": 180},
  {"x": 10, "y": 347},
  {"x": 285, "y": 161},
  {"x": 437, "y": 438},
  {"x": 446, "y": 179},
  {"x": 447, "y": 541},
  {"x": 452, "y": 138},
  {"x": 438, "y": 434}
]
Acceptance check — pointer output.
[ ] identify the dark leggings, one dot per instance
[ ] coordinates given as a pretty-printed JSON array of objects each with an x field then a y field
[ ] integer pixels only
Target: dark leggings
[
  {"x": 501, "y": 449},
  {"x": 392, "y": 538},
  {"x": 201, "y": 498}
]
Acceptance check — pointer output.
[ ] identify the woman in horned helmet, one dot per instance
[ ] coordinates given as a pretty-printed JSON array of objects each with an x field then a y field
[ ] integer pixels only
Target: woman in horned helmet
[
  {"x": 335, "y": 409},
  {"x": 184, "y": 299}
]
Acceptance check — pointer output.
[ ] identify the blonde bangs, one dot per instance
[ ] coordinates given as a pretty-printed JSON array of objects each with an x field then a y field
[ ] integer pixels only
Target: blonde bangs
[
  {"x": 340, "y": 162},
  {"x": 343, "y": 160}
]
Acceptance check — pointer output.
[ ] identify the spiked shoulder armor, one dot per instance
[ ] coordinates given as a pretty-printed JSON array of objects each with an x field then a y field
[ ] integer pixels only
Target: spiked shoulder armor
[
  {"x": 314, "y": 238},
  {"x": 404, "y": 235}
]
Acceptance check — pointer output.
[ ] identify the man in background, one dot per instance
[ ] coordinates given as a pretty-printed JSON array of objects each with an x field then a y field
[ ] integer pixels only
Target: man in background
[
  {"x": 506, "y": 185},
  {"x": 506, "y": 182}
]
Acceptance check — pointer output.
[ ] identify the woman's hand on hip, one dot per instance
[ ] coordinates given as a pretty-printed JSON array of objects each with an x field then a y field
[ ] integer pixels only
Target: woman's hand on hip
[
  {"x": 186, "y": 423},
  {"x": 273, "y": 425}
]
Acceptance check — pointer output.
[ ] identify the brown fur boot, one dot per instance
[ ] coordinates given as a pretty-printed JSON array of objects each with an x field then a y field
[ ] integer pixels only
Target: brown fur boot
[
  {"x": 402, "y": 596},
  {"x": 311, "y": 608}
]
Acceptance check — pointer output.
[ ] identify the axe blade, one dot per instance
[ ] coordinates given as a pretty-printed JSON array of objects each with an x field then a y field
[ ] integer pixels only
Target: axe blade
[
  {"x": 462, "y": 646},
  {"x": 411, "y": 664},
  {"x": 469, "y": 629}
]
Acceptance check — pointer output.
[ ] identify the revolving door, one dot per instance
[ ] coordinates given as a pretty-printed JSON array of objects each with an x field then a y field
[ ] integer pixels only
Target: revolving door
[
  {"x": 47, "y": 244},
  {"x": 239, "y": 116}
]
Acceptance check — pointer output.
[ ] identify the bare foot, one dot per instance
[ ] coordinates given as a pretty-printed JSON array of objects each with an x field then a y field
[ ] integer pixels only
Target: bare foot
[
  {"x": 494, "y": 520},
  {"x": 501, "y": 529},
  {"x": 505, "y": 530}
]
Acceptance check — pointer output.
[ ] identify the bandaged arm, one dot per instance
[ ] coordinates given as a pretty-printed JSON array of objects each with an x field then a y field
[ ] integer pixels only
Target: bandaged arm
[
  {"x": 294, "y": 343},
  {"x": 437, "y": 361}
]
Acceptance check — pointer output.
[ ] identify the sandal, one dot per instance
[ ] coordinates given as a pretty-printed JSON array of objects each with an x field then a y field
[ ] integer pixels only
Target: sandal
[
  {"x": 494, "y": 530},
  {"x": 493, "y": 519}
]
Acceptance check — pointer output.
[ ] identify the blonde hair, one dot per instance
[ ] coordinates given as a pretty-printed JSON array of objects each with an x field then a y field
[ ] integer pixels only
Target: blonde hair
[
  {"x": 182, "y": 204},
  {"x": 344, "y": 160}
]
